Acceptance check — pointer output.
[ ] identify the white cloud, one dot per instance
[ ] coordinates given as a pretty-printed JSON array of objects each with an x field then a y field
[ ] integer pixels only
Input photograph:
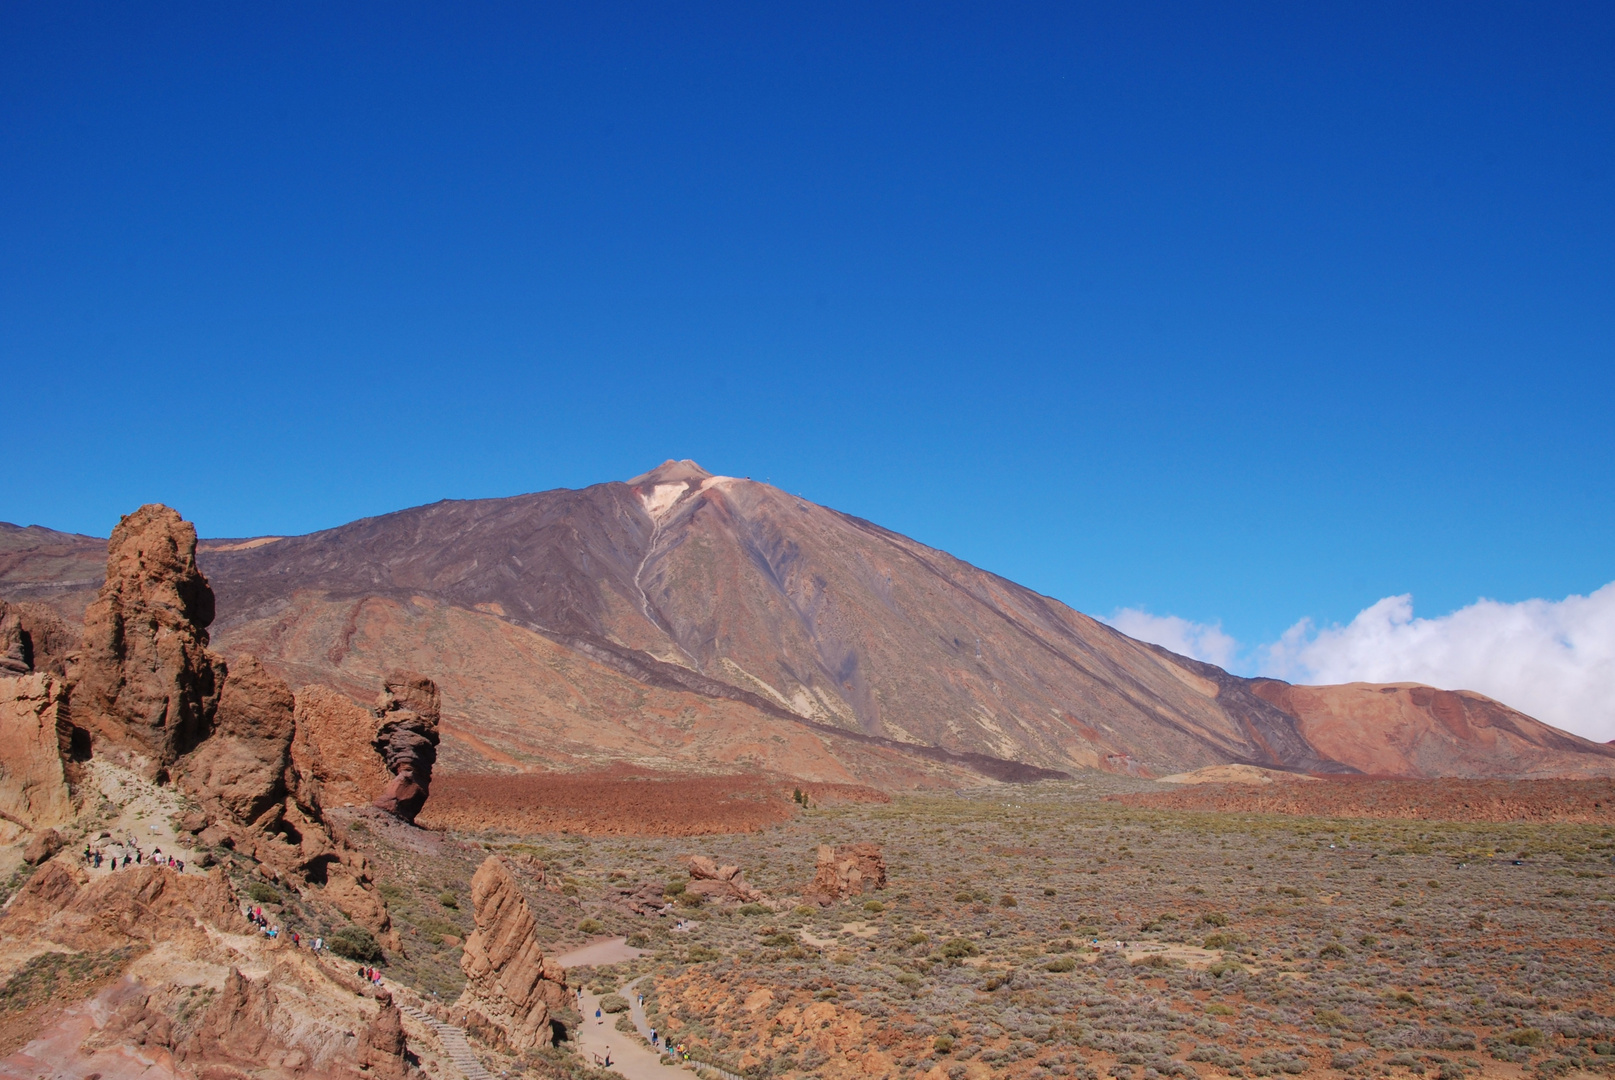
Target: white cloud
[
  {"x": 1553, "y": 659},
  {"x": 1203, "y": 641}
]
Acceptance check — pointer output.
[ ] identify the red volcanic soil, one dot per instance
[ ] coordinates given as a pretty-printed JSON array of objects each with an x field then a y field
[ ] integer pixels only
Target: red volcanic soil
[
  {"x": 621, "y": 803},
  {"x": 1418, "y": 800}
]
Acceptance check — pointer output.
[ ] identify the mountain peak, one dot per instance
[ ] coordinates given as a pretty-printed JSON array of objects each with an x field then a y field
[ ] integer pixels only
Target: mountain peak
[{"x": 670, "y": 472}]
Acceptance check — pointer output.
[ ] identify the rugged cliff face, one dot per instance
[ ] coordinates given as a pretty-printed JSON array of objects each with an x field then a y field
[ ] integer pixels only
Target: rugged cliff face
[
  {"x": 145, "y": 684},
  {"x": 511, "y": 986},
  {"x": 33, "y": 781}
]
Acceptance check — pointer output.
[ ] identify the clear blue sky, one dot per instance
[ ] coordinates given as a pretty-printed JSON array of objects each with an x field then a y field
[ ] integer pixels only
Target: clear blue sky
[{"x": 1237, "y": 312}]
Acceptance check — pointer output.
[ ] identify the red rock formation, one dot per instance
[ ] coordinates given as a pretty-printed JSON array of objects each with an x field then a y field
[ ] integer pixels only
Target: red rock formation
[
  {"x": 511, "y": 986},
  {"x": 725, "y": 884},
  {"x": 297, "y": 1023},
  {"x": 851, "y": 870},
  {"x": 407, "y": 740},
  {"x": 241, "y": 767},
  {"x": 33, "y": 637},
  {"x": 332, "y": 757},
  {"x": 145, "y": 684},
  {"x": 14, "y": 647},
  {"x": 33, "y": 784}
]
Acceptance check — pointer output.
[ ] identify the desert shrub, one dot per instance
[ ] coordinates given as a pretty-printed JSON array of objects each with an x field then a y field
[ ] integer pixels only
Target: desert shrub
[
  {"x": 751, "y": 909},
  {"x": 639, "y": 939},
  {"x": 804, "y": 911},
  {"x": 675, "y": 887},
  {"x": 918, "y": 937},
  {"x": 1332, "y": 950},
  {"x": 1064, "y": 963},
  {"x": 1007, "y": 900},
  {"x": 958, "y": 948},
  {"x": 1153, "y": 960},
  {"x": 448, "y": 900},
  {"x": 690, "y": 899},
  {"x": 613, "y": 1003},
  {"x": 943, "y": 1044},
  {"x": 700, "y": 954},
  {"x": 1526, "y": 1037},
  {"x": 263, "y": 894},
  {"x": 355, "y": 943},
  {"x": 874, "y": 907},
  {"x": 1214, "y": 918},
  {"x": 590, "y": 926}
]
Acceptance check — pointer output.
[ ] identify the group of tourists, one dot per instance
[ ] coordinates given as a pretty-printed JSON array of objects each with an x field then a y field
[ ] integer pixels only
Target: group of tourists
[
  {"x": 370, "y": 975},
  {"x": 129, "y": 854}
]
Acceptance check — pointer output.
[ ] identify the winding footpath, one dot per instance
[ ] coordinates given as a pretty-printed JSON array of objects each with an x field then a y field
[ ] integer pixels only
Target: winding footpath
[{"x": 596, "y": 1040}]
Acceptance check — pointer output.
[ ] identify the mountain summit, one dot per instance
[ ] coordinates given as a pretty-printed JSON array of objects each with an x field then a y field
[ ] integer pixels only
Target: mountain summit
[{"x": 682, "y": 619}]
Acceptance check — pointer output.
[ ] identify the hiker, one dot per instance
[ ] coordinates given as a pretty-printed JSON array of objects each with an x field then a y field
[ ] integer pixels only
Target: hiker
[{"x": 597, "y": 1016}]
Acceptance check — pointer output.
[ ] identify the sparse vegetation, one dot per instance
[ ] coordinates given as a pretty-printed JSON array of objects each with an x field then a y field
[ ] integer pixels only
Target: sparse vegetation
[{"x": 1203, "y": 946}]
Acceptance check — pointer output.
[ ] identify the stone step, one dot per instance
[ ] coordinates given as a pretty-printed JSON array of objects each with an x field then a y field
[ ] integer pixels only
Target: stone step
[{"x": 454, "y": 1043}]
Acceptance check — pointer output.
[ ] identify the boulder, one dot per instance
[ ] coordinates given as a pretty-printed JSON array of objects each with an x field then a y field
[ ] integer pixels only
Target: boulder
[
  {"x": 511, "y": 986},
  {"x": 851, "y": 870},
  {"x": 406, "y": 739},
  {"x": 33, "y": 783},
  {"x": 145, "y": 684},
  {"x": 45, "y": 844},
  {"x": 720, "y": 883}
]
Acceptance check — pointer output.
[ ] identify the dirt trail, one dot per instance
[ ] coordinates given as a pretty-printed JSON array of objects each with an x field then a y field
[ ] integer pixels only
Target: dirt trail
[{"x": 610, "y": 951}]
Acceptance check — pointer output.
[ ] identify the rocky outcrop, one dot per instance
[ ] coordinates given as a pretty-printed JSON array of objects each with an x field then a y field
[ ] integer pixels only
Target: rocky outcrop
[
  {"x": 641, "y": 898},
  {"x": 407, "y": 738},
  {"x": 247, "y": 1027},
  {"x": 33, "y": 727},
  {"x": 145, "y": 684},
  {"x": 34, "y": 638},
  {"x": 851, "y": 870},
  {"x": 15, "y": 650},
  {"x": 332, "y": 758},
  {"x": 720, "y": 883},
  {"x": 511, "y": 985},
  {"x": 241, "y": 768},
  {"x": 297, "y": 1022}
]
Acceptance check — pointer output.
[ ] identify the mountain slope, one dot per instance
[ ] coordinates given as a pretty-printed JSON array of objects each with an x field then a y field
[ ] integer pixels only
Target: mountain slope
[{"x": 553, "y": 618}]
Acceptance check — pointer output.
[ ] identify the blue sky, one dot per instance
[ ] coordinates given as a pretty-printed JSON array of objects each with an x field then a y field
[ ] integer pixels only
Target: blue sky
[{"x": 1241, "y": 313}]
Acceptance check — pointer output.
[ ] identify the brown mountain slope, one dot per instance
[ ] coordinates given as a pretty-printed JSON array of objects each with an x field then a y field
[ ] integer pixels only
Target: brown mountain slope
[
  {"x": 735, "y": 589},
  {"x": 61, "y": 569},
  {"x": 1406, "y": 729},
  {"x": 562, "y": 624}
]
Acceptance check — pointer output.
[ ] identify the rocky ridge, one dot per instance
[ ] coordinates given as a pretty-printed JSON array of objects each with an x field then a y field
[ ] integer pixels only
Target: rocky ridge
[{"x": 511, "y": 985}]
